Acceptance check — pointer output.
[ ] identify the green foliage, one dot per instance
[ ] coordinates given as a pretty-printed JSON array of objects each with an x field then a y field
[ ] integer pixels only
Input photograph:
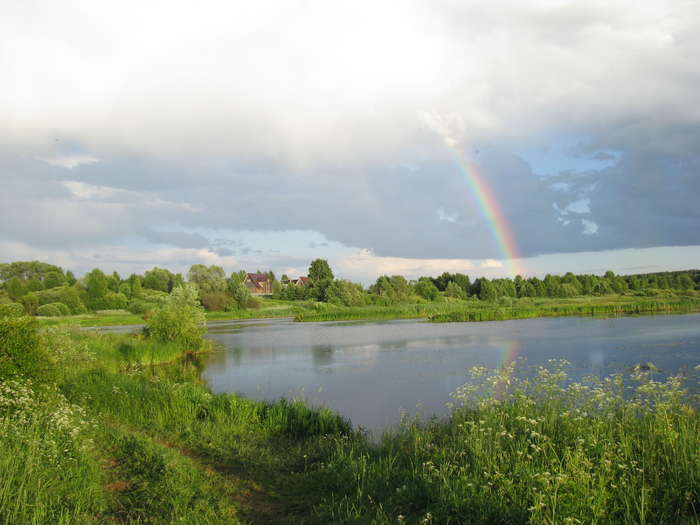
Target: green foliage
[
  {"x": 53, "y": 310},
  {"x": 30, "y": 302},
  {"x": 392, "y": 290},
  {"x": 67, "y": 295},
  {"x": 426, "y": 289},
  {"x": 15, "y": 288},
  {"x": 208, "y": 279},
  {"x": 139, "y": 306},
  {"x": 20, "y": 352},
  {"x": 454, "y": 290},
  {"x": 180, "y": 320},
  {"x": 320, "y": 270},
  {"x": 125, "y": 288},
  {"x": 321, "y": 277},
  {"x": 239, "y": 292},
  {"x": 34, "y": 285},
  {"x": 114, "y": 301},
  {"x": 11, "y": 310},
  {"x": 160, "y": 279},
  {"x": 96, "y": 286},
  {"x": 47, "y": 459},
  {"x": 215, "y": 301},
  {"x": 528, "y": 450},
  {"x": 26, "y": 270},
  {"x": 54, "y": 279},
  {"x": 345, "y": 293}
]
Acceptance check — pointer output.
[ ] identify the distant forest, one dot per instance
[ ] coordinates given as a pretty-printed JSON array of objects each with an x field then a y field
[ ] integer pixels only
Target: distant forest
[{"x": 38, "y": 288}]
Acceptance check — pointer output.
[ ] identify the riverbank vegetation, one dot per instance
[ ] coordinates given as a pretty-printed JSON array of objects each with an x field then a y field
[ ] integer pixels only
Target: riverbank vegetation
[{"x": 119, "y": 428}]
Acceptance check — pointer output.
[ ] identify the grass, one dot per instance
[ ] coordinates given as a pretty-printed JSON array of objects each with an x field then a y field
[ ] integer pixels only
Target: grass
[
  {"x": 269, "y": 308},
  {"x": 118, "y": 439},
  {"x": 474, "y": 310}
]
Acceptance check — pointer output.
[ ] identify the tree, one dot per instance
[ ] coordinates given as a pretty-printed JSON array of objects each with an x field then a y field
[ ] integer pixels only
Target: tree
[
  {"x": 15, "y": 288},
  {"x": 34, "y": 285},
  {"x": 180, "y": 320},
  {"x": 70, "y": 278},
  {"x": 487, "y": 291},
  {"x": 158, "y": 279},
  {"x": 208, "y": 279},
  {"x": 240, "y": 293},
  {"x": 96, "y": 287},
  {"x": 54, "y": 279},
  {"x": 321, "y": 277},
  {"x": 345, "y": 293},
  {"x": 426, "y": 289},
  {"x": 454, "y": 290},
  {"x": 320, "y": 270}
]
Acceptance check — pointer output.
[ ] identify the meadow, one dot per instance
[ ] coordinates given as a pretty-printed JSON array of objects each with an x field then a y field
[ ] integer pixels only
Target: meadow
[{"x": 118, "y": 428}]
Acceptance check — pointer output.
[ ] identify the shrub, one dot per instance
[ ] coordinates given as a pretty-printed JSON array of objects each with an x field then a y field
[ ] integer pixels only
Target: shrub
[
  {"x": 180, "y": 320},
  {"x": 115, "y": 301},
  {"x": 30, "y": 302},
  {"x": 11, "y": 310},
  {"x": 53, "y": 310},
  {"x": 215, "y": 301},
  {"x": 139, "y": 306},
  {"x": 20, "y": 351},
  {"x": 253, "y": 302}
]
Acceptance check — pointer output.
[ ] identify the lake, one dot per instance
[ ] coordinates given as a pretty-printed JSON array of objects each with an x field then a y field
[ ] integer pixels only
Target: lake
[{"x": 371, "y": 372}]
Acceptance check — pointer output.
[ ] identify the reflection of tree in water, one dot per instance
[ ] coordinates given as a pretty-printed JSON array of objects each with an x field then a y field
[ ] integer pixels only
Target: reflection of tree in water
[{"x": 322, "y": 355}]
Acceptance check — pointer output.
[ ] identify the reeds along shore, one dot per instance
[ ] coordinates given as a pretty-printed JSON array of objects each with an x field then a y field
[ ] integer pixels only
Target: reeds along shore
[{"x": 472, "y": 311}]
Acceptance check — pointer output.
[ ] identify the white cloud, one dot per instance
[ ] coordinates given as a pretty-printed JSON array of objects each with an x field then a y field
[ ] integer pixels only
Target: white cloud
[
  {"x": 447, "y": 217},
  {"x": 365, "y": 267},
  {"x": 589, "y": 227},
  {"x": 328, "y": 80},
  {"x": 579, "y": 206},
  {"x": 69, "y": 161},
  {"x": 128, "y": 198}
]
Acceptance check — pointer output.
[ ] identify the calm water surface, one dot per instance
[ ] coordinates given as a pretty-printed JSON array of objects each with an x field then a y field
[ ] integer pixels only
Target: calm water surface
[{"x": 372, "y": 371}]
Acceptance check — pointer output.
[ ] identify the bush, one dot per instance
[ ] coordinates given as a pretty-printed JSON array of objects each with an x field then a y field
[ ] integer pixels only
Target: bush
[
  {"x": 11, "y": 310},
  {"x": 180, "y": 320},
  {"x": 115, "y": 301},
  {"x": 53, "y": 310},
  {"x": 253, "y": 302},
  {"x": 21, "y": 355},
  {"x": 138, "y": 306},
  {"x": 215, "y": 301}
]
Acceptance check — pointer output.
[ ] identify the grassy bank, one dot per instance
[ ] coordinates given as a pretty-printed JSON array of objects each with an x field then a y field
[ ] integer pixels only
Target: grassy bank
[
  {"x": 474, "y": 310},
  {"x": 269, "y": 308},
  {"x": 111, "y": 438}
]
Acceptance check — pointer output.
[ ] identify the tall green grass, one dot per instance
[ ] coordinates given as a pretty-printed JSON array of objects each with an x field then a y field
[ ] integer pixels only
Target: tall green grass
[
  {"x": 499, "y": 313},
  {"x": 460, "y": 311},
  {"x": 529, "y": 451},
  {"x": 49, "y": 471}
]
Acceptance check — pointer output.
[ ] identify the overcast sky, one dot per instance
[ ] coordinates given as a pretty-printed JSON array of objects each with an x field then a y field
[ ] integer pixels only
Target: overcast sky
[{"x": 263, "y": 134}]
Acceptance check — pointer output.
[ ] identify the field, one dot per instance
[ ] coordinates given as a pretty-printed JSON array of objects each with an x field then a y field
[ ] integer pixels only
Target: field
[{"x": 119, "y": 429}]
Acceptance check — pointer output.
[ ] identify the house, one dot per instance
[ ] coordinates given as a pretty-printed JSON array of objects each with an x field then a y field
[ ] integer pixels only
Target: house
[
  {"x": 301, "y": 281},
  {"x": 258, "y": 283}
]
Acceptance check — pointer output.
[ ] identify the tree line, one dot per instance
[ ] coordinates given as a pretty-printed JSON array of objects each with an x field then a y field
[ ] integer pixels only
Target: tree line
[{"x": 39, "y": 288}]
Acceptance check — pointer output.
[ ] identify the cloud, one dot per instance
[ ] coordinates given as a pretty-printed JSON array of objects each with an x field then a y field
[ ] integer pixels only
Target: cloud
[
  {"x": 342, "y": 120},
  {"x": 69, "y": 161},
  {"x": 589, "y": 227},
  {"x": 181, "y": 239}
]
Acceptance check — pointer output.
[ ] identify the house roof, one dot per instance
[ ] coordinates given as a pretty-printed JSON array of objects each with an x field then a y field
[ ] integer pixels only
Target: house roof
[
  {"x": 304, "y": 280},
  {"x": 258, "y": 278}
]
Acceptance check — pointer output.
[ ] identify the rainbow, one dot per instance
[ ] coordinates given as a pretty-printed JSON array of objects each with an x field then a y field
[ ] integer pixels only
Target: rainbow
[{"x": 491, "y": 210}]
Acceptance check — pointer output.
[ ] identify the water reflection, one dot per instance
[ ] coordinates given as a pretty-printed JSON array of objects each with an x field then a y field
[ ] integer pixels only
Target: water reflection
[{"x": 371, "y": 371}]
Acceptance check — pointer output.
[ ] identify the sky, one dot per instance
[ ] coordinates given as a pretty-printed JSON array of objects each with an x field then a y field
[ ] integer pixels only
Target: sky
[{"x": 413, "y": 137}]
